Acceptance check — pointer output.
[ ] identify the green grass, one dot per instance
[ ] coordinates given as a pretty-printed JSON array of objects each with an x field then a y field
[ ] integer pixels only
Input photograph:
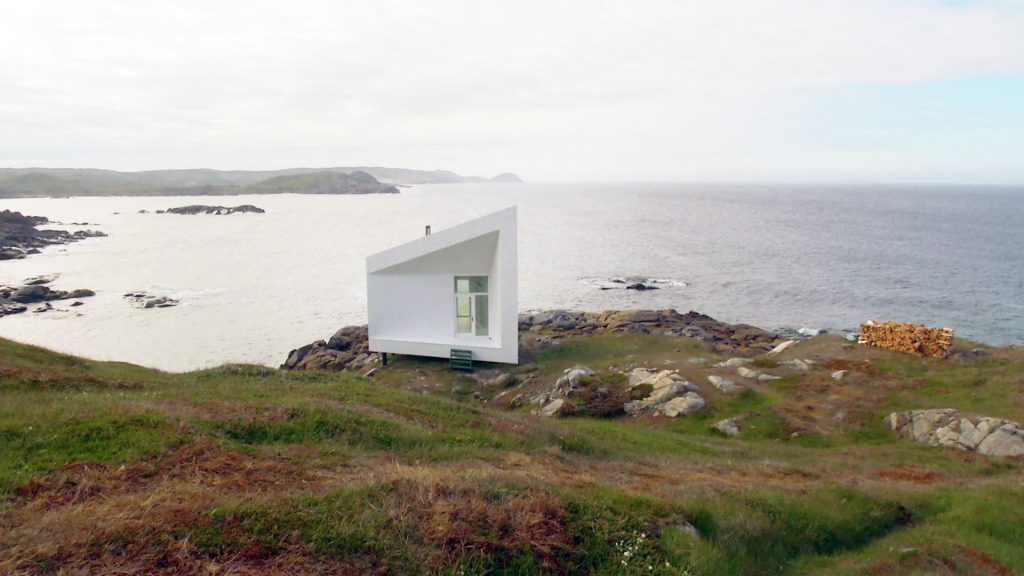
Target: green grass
[{"x": 486, "y": 491}]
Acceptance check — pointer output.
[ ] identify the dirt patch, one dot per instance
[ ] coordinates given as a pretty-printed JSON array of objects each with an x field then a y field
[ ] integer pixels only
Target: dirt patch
[
  {"x": 984, "y": 561},
  {"x": 909, "y": 474}
]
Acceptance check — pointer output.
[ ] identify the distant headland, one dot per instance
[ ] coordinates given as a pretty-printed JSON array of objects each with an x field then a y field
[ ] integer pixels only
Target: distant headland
[{"x": 60, "y": 182}]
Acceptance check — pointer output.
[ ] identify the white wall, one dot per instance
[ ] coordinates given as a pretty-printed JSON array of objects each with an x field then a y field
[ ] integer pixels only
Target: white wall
[{"x": 411, "y": 292}]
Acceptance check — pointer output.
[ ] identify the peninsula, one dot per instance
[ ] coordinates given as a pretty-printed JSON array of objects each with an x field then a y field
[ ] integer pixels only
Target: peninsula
[{"x": 61, "y": 182}]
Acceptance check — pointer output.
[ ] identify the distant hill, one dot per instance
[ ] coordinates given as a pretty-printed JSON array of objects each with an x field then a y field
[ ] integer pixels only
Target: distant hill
[
  {"x": 36, "y": 182},
  {"x": 507, "y": 177}
]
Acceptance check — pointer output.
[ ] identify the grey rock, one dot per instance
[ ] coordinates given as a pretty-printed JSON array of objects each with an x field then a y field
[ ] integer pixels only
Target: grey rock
[
  {"x": 683, "y": 405},
  {"x": 504, "y": 380},
  {"x": 780, "y": 348},
  {"x": 734, "y": 363},
  {"x": 339, "y": 341},
  {"x": 729, "y": 427},
  {"x": 555, "y": 408},
  {"x": 7, "y": 308},
  {"x": 955, "y": 429},
  {"x": 30, "y": 294},
  {"x": 725, "y": 385},
  {"x": 745, "y": 372},
  {"x": 38, "y": 280},
  {"x": 797, "y": 364}
]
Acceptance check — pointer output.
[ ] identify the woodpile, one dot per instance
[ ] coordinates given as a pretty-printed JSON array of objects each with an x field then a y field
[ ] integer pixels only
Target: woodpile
[{"x": 910, "y": 338}]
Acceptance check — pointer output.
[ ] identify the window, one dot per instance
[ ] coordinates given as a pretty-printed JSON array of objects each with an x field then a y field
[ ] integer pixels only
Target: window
[{"x": 471, "y": 314}]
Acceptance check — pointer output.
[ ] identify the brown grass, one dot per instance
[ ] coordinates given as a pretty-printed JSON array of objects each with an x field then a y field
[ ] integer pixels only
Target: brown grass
[
  {"x": 908, "y": 474},
  {"x": 463, "y": 521}
]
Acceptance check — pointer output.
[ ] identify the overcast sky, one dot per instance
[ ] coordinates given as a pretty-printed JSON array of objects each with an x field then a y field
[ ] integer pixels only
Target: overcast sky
[{"x": 781, "y": 90}]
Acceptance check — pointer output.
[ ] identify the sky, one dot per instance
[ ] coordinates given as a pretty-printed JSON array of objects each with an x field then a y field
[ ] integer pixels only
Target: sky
[{"x": 554, "y": 90}]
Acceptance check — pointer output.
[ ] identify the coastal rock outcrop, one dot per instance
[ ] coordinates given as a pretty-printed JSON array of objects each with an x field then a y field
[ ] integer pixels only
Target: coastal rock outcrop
[
  {"x": 724, "y": 337},
  {"x": 216, "y": 210},
  {"x": 347, "y": 349},
  {"x": 541, "y": 328},
  {"x": 20, "y": 235},
  {"x": 955, "y": 429}
]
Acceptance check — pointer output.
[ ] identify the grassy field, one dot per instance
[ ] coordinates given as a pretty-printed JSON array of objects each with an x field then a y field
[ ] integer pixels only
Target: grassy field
[{"x": 113, "y": 468}]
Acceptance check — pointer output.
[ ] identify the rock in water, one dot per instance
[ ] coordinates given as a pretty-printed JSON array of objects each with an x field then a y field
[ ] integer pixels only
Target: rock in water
[
  {"x": 218, "y": 210},
  {"x": 7, "y": 308},
  {"x": 30, "y": 294},
  {"x": 640, "y": 286},
  {"x": 955, "y": 429}
]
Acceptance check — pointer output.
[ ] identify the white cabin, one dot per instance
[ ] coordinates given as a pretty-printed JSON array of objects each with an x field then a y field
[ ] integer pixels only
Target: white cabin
[{"x": 453, "y": 289}]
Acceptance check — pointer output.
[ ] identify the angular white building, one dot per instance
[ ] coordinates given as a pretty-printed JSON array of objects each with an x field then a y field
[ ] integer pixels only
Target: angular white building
[{"x": 455, "y": 289}]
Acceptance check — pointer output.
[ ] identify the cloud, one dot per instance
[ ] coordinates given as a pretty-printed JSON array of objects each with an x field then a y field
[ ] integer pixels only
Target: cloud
[{"x": 554, "y": 89}]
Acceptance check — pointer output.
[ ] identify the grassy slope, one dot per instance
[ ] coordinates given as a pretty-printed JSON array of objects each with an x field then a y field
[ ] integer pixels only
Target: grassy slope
[{"x": 250, "y": 470}]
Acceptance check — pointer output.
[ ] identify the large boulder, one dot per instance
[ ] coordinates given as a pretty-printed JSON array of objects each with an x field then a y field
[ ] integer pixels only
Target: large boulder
[
  {"x": 557, "y": 407},
  {"x": 955, "y": 429},
  {"x": 683, "y": 405},
  {"x": 347, "y": 349},
  {"x": 665, "y": 386},
  {"x": 31, "y": 294}
]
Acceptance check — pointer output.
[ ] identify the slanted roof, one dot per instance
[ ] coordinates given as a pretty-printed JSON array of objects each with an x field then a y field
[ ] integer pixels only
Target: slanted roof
[{"x": 482, "y": 226}]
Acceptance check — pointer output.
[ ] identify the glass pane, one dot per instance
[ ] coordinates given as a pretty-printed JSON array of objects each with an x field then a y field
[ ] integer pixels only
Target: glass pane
[
  {"x": 462, "y": 307},
  {"x": 481, "y": 315},
  {"x": 468, "y": 284},
  {"x": 478, "y": 283},
  {"x": 463, "y": 315}
]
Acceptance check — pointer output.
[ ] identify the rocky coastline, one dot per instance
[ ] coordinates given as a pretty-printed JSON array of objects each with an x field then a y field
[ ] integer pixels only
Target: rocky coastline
[
  {"x": 20, "y": 236},
  {"x": 17, "y": 299},
  {"x": 348, "y": 348}
]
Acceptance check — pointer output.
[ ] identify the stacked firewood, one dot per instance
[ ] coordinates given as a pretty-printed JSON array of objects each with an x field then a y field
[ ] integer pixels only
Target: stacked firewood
[{"x": 910, "y": 338}]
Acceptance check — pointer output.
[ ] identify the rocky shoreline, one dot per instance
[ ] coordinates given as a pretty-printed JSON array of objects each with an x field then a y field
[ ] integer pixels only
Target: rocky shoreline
[
  {"x": 348, "y": 348},
  {"x": 21, "y": 237},
  {"x": 16, "y": 299}
]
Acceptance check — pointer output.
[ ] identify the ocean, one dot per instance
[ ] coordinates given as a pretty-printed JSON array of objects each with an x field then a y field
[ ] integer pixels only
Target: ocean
[{"x": 254, "y": 286}]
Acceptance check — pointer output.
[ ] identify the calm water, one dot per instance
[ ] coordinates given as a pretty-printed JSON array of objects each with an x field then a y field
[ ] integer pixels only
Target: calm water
[{"x": 254, "y": 286}]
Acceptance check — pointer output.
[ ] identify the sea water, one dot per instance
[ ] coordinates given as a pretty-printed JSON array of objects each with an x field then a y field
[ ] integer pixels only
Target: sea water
[{"x": 254, "y": 286}]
